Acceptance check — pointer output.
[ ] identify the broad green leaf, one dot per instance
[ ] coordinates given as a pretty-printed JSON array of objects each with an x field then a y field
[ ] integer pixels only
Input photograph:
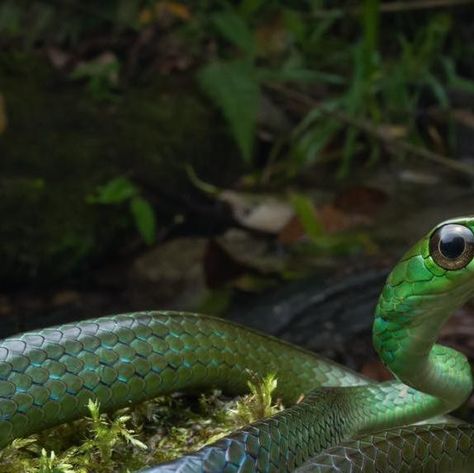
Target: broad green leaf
[
  {"x": 144, "y": 217},
  {"x": 234, "y": 88},
  {"x": 304, "y": 210},
  {"x": 233, "y": 28},
  {"x": 116, "y": 191}
]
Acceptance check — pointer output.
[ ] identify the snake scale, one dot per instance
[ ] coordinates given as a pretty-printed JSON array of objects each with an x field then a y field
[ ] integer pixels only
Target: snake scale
[{"x": 344, "y": 423}]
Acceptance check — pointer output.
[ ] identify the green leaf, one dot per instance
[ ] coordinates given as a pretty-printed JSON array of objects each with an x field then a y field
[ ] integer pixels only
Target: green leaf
[
  {"x": 304, "y": 210},
  {"x": 370, "y": 24},
  {"x": 289, "y": 73},
  {"x": 348, "y": 152},
  {"x": 216, "y": 301},
  {"x": 250, "y": 7},
  {"x": 294, "y": 23},
  {"x": 10, "y": 18},
  {"x": 233, "y": 28},
  {"x": 116, "y": 191},
  {"x": 144, "y": 217},
  {"x": 308, "y": 147},
  {"x": 233, "y": 87},
  {"x": 438, "y": 90},
  {"x": 454, "y": 80}
]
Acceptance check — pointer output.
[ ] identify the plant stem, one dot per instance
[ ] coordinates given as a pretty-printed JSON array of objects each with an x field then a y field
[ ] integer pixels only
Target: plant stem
[
  {"x": 394, "y": 145},
  {"x": 393, "y": 7}
]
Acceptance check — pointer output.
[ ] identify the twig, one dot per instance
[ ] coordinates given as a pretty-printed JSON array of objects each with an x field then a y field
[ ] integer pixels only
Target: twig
[
  {"x": 394, "y": 145},
  {"x": 394, "y": 7},
  {"x": 421, "y": 5}
]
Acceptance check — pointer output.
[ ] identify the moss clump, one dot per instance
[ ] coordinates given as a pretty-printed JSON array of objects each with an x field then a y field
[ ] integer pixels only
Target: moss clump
[{"x": 149, "y": 433}]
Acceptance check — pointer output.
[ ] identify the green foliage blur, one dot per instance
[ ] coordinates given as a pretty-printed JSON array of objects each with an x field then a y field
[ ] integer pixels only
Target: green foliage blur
[
  {"x": 368, "y": 69},
  {"x": 373, "y": 66}
]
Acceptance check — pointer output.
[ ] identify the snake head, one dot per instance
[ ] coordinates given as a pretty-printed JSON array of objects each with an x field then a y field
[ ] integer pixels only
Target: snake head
[{"x": 432, "y": 279}]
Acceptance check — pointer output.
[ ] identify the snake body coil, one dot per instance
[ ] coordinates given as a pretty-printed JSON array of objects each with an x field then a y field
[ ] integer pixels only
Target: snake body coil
[{"x": 47, "y": 376}]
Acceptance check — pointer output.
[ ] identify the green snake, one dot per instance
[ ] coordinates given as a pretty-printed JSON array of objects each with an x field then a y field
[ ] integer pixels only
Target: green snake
[{"x": 344, "y": 423}]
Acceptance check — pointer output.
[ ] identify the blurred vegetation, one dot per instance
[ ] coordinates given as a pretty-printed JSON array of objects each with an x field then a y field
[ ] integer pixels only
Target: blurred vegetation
[{"x": 350, "y": 81}]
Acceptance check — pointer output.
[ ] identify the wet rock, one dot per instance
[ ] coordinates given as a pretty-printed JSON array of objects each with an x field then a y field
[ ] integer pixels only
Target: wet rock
[
  {"x": 170, "y": 276},
  {"x": 319, "y": 313},
  {"x": 252, "y": 251}
]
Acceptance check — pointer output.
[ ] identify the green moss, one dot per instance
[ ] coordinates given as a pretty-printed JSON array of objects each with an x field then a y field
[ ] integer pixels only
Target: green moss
[{"x": 149, "y": 433}]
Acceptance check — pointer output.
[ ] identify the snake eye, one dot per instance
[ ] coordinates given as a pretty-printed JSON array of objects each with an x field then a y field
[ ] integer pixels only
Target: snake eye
[{"x": 452, "y": 246}]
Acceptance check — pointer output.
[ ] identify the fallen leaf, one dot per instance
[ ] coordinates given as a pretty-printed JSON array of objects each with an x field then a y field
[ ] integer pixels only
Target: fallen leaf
[
  {"x": 264, "y": 213},
  {"x": 176, "y": 9},
  {"x": 332, "y": 219},
  {"x": 65, "y": 297},
  {"x": 361, "y": 200},
  {"x": 164, "y": 10},
  {"x": 59, "y": 59},
  {"x": 335, "y": 220},
  {"x": 464, "y": 117}
]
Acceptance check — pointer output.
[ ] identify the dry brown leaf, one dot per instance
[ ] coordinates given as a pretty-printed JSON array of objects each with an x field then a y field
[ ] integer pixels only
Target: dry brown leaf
[
  {"x": 465, "y": 117},
  {"x": 362, "y": 200},
  {"x": 65, "y": 297},
  {"x": 164, "y": 9},
  {"x": 177, "y": 9},
  {"x": 333, "y": 220}
]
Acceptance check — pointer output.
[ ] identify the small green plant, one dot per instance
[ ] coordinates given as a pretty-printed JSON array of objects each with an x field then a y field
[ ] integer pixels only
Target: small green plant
[
  {"x": 321, "y": 240},
  {"x": 382, "y": 92},
  {"x": 101, "y": 76},
  {"x": 155, "y": 431},
  {"x": 121, "y": 190},
  {"x": 108, "y": 436},
  {"x": 19, "y": 455},
  {"x": 235, "y": 84},
  {"x": 105, "y": 444},
  {"x": 49, "y": 463},
  {"x": 259, "y": 403}
]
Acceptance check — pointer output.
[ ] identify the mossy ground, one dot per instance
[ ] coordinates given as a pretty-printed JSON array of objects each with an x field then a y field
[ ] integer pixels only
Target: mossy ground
[{"x": 149, "y": 433}]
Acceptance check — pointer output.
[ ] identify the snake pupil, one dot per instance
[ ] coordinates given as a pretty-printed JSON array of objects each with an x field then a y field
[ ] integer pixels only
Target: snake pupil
[{"x": 452, "y": 246}]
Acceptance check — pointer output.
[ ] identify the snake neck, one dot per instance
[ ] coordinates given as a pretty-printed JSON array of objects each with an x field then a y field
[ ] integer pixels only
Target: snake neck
[{"x": 413, "y": 307}]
